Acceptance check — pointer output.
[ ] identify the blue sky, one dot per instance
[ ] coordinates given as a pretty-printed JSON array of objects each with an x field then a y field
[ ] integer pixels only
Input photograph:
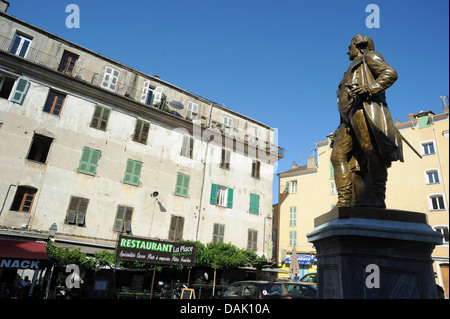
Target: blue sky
[{"x": 278, "y": 62}]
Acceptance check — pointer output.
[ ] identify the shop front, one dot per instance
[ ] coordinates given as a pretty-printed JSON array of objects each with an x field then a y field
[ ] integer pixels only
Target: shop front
[{"x": 22, "y": 265}]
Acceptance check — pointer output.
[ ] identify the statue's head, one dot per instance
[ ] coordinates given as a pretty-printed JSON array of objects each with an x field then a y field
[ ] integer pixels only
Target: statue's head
[{"x": 359, "y": 45}]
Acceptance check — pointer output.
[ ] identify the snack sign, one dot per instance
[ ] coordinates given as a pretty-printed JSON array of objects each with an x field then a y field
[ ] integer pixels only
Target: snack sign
[{"x": 148, "y": 250}]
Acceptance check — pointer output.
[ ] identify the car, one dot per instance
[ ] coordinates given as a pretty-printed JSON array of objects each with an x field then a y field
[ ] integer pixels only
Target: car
[
  {"x": 254, "y": 289},
  {"x": 301, "y": 290},
  {"x": 310, "y": 278}
]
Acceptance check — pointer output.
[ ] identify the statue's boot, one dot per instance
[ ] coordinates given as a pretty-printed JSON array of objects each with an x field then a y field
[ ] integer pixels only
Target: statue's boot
[
  {"x": 378, "y": 178},
  {"x": 343, "y": 180}
]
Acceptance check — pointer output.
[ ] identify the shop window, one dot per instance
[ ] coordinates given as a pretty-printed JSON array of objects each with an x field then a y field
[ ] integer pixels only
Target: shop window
[
  {"x": 39, "y": 148},
  {"x": 24, "y": 198}
]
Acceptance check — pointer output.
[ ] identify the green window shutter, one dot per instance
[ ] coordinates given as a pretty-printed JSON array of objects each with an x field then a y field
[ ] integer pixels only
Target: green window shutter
[
  {"x": 100, "y": 117},
  {"x": 424, "y": 121},
  {"x": 137, "y": 173},
  {"x": 213, "y": 199},
  {"x": 286, "y": 190},
  {"x": 84, "y": 161},
  {"x": 129, "y": 172},
  {"x": 20, "y": 91},
  {"x": 89, "y": 161},
  {"x": 120, "y": 216},
  {"x": 93, "y": 162},
  {"x": 182, "y": 187},
  {"x": 230, "y": 198},
  {"x": 254, "y": 203}
]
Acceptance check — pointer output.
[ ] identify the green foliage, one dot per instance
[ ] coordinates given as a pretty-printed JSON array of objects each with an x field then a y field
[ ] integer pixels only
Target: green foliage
[{"x": 214, "y": 255}]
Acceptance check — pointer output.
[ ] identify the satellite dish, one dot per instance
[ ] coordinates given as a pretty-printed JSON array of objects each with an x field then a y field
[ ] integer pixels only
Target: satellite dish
[{"x": 176, "y": 104}]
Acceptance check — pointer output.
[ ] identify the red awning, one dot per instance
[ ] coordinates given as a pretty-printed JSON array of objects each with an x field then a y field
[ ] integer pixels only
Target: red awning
[{"x": 22, "y": 254}]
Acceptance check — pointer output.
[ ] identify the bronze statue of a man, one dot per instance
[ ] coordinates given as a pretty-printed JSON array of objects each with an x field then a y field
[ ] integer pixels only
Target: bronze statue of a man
[{"x": 366, "y": 141}]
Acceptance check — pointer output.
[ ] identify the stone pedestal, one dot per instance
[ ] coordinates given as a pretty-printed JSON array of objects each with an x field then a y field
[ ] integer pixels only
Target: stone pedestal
[{"x": 370, "y": 253}]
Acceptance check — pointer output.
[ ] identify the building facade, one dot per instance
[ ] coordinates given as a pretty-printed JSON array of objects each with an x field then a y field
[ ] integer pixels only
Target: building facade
[
  {"x": 417, "y": 184},
  {"x": 97, "y": 149}
]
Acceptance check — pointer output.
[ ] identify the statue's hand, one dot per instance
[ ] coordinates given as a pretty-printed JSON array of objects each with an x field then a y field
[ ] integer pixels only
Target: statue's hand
[{"x": 357, "y": 90}]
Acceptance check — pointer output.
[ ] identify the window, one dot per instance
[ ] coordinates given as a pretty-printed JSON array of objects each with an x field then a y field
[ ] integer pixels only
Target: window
[
  {"x": 188, "y": 146},
  {"x": 176, "y": 227},
  {"x": 222, "y": 196},
  {"x": 151, "y": 95},
  {"x": 141, "y": 131},
  {"x": 182, "y": 187},
  {"x": 68, "y": 61},
  {"x": 427, "y": 148},
  {"x": 89, "y": 161},
  {"x": 444, "y": 231},
  {"x": 76, "y": 213},
  {"x": 39, "y": 148},
  {"x": 293, "y": 238},
  {"x": 256, "y": 136},
  {"x": 333, "y": 188},
  {"x": 293, "y": 186},
  {"x": 252, "y": 242},
  {"x": 110, "y": 79},
  {"x": 23, "y": 200},
  {"x": 54, "y": 103},
  {"x": 20, "y": 91},
  {"x": 424, "y": 121},
  {"x": 290, "y": 187},
  {"x": 445, "y": 134},
  {"x": 436, "y": 202},
  {"x": 256, "y": 167},
  {"x": 132, "y": 172},
  {"x": 292, "y": 216},
  {"x": 225, "y": 159},
  {"x": 432, "y": 176},
  {"x": 100, "y": 117},
  {"x": 218, "y": 233},
  {"x": 20, "y": 45},
  {"x": 192, "y": 110},
  {"x": 6, "y": 86},
  {"x": 122, "y": 223},
  {"x": 227, "y": 124},
  {"x": 254, "y": 203}
]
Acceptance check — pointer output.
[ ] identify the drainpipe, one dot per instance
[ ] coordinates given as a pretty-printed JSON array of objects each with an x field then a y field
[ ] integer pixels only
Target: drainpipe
[{"x": 6, "y": 197}]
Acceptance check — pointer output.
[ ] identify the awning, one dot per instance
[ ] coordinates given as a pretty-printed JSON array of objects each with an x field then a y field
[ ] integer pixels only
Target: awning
[
  {"x": 22, "y": 254},
  {"x": 302, "y": 259}
]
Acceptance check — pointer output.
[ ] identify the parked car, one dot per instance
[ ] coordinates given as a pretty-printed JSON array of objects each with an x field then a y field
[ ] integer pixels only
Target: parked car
[
  {"x": 254, "y": 289},
  {"x": 300, "y": 290},
  {"x": 310, "y": 278}
]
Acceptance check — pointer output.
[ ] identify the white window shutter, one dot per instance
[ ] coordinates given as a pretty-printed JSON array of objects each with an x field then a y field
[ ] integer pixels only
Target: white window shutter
[
  {"x": 145, "y": 91},
  {"x": 158, "y": 95}
]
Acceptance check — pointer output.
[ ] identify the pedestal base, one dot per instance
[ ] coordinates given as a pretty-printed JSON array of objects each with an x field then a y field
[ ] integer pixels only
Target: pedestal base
[{"x": 369, "y": 253}]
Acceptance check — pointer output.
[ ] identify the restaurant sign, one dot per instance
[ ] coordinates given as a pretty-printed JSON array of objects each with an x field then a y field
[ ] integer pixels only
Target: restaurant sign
[{"x": 148, "y": 250}]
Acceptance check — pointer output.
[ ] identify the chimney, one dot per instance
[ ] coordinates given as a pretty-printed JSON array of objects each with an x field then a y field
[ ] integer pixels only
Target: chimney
[
  {"x": 294, "y": 164},
  {"x": 411, "y": 117},
  {"x": 4, "y": 6},
  {"x": 311, "y": 162}
]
